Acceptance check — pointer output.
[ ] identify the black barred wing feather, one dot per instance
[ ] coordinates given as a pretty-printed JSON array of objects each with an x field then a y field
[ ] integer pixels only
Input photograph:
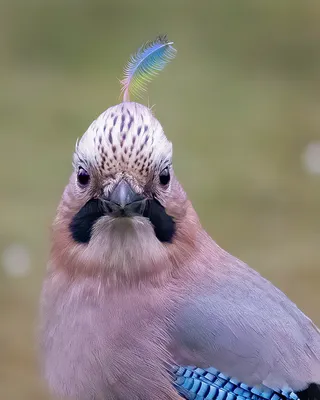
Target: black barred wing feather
[{"x": 194, "y": 383}]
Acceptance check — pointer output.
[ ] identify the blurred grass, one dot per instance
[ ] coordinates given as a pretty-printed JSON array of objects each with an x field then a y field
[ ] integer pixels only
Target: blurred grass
[{"x": 240, "y": 103}]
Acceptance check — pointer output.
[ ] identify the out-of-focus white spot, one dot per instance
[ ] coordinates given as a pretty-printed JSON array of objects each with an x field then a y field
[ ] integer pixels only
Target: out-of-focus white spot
[
  {"x": 311, "y": 158},
  {"x": 16, "y": 260}
]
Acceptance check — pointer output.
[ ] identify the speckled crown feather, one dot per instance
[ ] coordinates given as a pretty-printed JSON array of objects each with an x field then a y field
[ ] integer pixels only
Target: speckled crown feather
[{"x": 127, "y": 137}]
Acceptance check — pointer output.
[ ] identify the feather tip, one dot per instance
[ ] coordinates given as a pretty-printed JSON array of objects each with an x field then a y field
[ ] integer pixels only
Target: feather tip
[{"x": 149, "y": 60}]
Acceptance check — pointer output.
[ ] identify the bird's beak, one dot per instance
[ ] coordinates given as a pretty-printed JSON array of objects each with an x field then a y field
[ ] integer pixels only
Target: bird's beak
[{"x": 124, "y": 201}]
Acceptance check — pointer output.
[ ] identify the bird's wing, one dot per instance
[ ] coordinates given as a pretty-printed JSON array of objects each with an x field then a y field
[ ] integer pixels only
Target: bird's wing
[{"x": 235, "y": 320}]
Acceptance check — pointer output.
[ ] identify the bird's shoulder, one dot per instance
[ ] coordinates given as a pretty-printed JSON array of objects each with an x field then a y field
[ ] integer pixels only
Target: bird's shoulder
[{"x": 235, "y": 319}]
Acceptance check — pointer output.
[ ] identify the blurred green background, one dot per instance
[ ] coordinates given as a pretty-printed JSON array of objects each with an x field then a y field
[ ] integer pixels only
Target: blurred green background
[{"x": 240, "y": 102}]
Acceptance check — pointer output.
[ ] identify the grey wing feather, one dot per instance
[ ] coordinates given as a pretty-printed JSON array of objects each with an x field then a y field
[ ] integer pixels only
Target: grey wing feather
[{"x": 244, "y": 326}]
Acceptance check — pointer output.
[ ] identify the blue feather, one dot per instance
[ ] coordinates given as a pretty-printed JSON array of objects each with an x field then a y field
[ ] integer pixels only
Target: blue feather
[
  {"x": 145, "y": 64},
  {"x": 194, "y": 383}
]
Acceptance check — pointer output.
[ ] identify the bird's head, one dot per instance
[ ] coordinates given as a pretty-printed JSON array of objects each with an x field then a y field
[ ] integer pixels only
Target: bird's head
[
  {"x": 123, "y": 210},
  {"x": 123, "y": 213},
  {"x": 123, "y": 172}
]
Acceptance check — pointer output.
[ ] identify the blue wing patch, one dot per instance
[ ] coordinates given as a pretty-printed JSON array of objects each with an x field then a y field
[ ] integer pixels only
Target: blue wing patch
[{"x": 194, "y": 383}]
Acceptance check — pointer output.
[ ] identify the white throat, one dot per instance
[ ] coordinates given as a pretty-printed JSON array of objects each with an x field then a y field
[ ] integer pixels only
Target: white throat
[{"x": 127, "y": 246}]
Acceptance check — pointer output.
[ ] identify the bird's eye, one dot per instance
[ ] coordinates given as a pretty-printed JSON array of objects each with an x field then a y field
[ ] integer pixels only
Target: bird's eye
[
  {"x": 164, "y": 176},
  {"x": 83, "y": 177}
]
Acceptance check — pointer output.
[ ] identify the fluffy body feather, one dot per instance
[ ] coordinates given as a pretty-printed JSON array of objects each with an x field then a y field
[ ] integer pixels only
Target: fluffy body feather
[
  {"x": 145, "y": 64},
  {"x": 119, "y": 311}
]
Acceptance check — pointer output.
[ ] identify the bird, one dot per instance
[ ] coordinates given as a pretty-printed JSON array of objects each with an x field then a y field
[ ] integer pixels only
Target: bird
[{"x": 138, "y": 301}]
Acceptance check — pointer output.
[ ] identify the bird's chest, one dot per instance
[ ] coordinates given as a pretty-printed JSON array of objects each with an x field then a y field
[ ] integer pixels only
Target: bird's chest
[{"x": 89, "y": 335}]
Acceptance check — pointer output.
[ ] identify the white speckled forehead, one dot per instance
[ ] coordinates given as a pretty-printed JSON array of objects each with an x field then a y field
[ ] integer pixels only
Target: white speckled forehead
[{"x": 126, "y": 137}]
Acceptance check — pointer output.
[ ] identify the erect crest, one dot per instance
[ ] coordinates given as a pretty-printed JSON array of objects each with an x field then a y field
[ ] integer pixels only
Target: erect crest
[
  {"x": 127, "y": 137},
  {"x": 145, "y": 64}
]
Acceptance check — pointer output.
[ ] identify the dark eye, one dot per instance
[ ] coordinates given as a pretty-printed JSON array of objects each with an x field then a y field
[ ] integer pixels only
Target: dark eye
[
  {"x": 164, "y": 176},
  {"x": 83, "y": 177}
]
